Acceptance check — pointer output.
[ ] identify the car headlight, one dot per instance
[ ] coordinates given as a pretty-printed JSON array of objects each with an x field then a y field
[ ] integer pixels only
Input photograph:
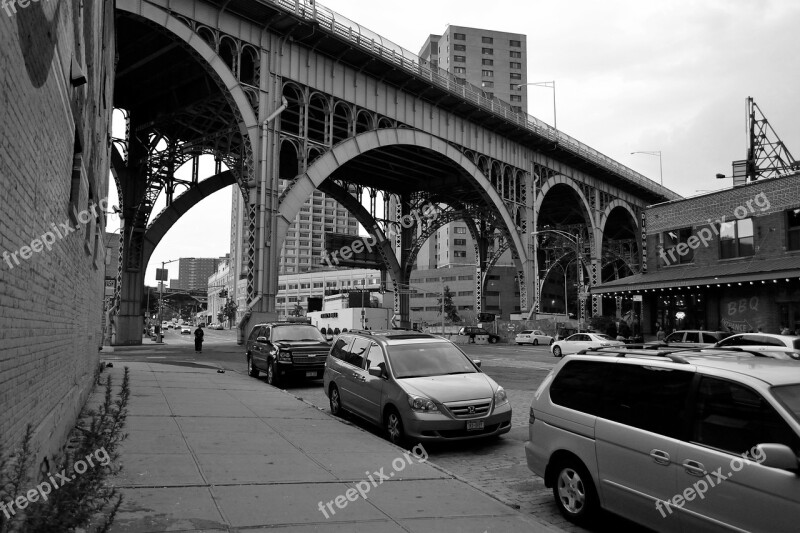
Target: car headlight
[
  {"x": 500, "y": 396},
  {"x": 421, "y": 404},
  {"x": 284, "y": 356}
]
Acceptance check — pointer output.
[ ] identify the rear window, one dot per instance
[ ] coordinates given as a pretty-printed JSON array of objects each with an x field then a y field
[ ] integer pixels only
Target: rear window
[
  {"x": 525, "y": 332},
  {"x": 796, "y": 343}
]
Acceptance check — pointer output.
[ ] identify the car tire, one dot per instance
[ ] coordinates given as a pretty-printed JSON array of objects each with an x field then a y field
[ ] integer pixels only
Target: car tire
[
  {"x": 574, "y": 492},
  {"x": 492, "y": 340},
  {"x": 557, "y": 351},
  {"x": 536, "y": 342},
  {"x": 335, "y": 401},
  {"x": 252, "y": 371},
  {"x": 272, "y": 374},
  {"x": 393, "y": 424}
]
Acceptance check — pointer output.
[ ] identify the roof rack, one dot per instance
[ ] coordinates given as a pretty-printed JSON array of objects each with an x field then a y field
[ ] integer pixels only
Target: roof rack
[{"x": 638, "y": 352}]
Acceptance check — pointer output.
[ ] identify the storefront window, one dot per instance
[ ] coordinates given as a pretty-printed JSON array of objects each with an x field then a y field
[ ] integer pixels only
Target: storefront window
[{"x": 680, "y": 311}]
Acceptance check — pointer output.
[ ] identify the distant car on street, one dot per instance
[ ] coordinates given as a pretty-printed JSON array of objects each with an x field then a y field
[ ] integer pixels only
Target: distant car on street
[
  {"x": 693, "y": 338},
  {"x": 472, "y": 331},
  {"x": 533, "y": 336},
  {"x": 186, "y": 330},
  {"x": 581, "y": 341}
]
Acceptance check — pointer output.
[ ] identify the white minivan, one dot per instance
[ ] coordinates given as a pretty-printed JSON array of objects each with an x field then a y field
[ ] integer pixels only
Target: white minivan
[{"x": 678, "y": 441}]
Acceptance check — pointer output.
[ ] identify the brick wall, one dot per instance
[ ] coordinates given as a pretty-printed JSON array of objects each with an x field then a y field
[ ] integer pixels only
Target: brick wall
[{"x": 53, "y": 162}]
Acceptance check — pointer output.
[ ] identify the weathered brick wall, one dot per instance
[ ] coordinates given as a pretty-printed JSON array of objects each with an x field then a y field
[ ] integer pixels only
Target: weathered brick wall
[{"x": 51, "y": 303}]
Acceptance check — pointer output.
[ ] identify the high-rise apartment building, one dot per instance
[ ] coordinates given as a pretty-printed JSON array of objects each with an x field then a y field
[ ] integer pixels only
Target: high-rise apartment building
[
  {"x": 193, "y": 272},
  {"x": 495, "y": 61}
]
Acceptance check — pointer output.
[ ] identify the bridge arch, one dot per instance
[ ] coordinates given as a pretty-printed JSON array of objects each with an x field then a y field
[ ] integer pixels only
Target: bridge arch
[
  {"x": 207, "y": 56},
  {"x": 561, "y": 180},
  {"x": 324, "y": 166},
  {"x": 616, "y": 203},
  {"x": 183, "y": 203}
]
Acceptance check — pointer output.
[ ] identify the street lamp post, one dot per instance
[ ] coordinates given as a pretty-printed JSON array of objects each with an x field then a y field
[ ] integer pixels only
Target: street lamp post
[
  {"x": 549, "y": 85},
  {"x": 660, "y": 167},
  {"x": 161, "y": 301}
]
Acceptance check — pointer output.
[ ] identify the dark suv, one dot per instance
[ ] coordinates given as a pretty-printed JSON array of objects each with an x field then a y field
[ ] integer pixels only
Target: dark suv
[{"x": 283, "y": 349}]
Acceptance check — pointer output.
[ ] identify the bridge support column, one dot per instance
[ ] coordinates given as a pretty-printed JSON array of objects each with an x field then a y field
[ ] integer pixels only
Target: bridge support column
[{"x": 403, "y": 240}]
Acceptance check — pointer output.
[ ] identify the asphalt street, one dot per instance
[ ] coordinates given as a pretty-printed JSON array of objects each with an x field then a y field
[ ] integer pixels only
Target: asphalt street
[{"x": 497, "y": 466}]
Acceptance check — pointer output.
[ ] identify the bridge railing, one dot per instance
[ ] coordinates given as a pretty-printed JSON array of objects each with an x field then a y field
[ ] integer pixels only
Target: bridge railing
[{"x": 372, "y": 42}]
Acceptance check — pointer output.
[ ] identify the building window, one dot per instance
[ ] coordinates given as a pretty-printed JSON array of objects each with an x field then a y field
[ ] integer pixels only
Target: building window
[
  {"x": 487, "y": 51},
  {"x": 460, "y": 242},
  {"x": 736, "y": 239},
  {"x": 460, "y": 47},
  {"x": 459, "y": 59},
  {"x": 487, "y": 40},
  {"x": 459, "y": 37},
  {"x": 459, "y": 70},
  {"x": 515, "y": 76},
  {"x": 515, "y": 54},
  {"x": 516, "y": 98},
  {"x": 464, "y": 278},
  {"x": 675, "y": 251},
  {"x": 516, "y": 109},
  {"x": 515, "y": 64},
  {"x": 487, "y": 62},
  {"x": 487, "y": 84},
  {"x": 459, "y": 253},
  {"x": 514, "y": 43},
  {"x": 489, "y": 95},
  {"x": 487, "y": 73},
  {"x": 793, "y": 229},
  {"x": 460, "y": 230}
]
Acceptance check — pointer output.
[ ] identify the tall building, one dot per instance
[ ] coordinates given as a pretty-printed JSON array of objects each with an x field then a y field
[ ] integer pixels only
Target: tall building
[
  {"x": 496, "y": 61},
  {"x": 193, "y": 272}
]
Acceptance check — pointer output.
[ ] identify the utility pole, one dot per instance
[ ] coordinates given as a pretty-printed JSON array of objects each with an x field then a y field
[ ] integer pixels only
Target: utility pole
[
  {"x": 442, "y": 307},
  {"x": 164, "y": 277}
]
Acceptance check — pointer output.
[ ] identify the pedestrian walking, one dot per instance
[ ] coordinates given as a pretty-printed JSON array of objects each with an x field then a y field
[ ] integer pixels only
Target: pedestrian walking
[
  {"x": 198, "y": 339},
  {"x": 660, "y": 334}
]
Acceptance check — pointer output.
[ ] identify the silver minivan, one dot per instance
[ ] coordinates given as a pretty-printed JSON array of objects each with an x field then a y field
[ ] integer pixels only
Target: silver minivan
[
  {"x": 416, "y": 386},
  {"x": 676, "y": 441}
]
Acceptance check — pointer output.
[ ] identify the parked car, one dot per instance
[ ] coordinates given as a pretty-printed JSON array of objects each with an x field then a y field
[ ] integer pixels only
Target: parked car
[
  {"x": 284, "y": 349},
  {"x": 643, "y": 435},
  {"x": 417, "y": 386},
  {"x": 693, "y": 338},
  {"x": 760, "y": 340},
  {"x": 218, "y": 326},
  {"x": 533, "y": 336},
  {"x": 581, "y": 341},
  {"x": 186, "y": 330},
  {"x": 472, "y": 331}
]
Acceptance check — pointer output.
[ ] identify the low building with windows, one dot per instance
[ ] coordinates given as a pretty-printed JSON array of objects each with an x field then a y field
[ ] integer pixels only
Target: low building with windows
[
  {"x": 296, "y": 289},
  {"x": 728, "y": 260}
]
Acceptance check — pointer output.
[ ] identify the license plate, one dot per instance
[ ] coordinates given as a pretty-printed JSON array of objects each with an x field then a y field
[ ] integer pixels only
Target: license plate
[
  {"x": 311, "y": 374},
  {"x": 474, "y": 425}
]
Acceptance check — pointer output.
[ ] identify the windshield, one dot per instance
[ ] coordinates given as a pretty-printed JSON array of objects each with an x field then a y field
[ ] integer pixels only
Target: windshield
[
  {"x": 428, "y": 359},
  {"x": 296, "y": 333},
  {"x": 789, "y": 396}
]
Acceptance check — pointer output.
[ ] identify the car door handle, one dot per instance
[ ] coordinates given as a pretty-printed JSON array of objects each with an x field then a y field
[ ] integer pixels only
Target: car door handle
[
  {"x": 694, "y": 468},
  {"x": 660, "y": 457}
]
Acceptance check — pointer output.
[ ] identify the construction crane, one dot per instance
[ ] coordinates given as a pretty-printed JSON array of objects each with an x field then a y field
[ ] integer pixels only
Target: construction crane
[{"x": 767, "y": 156}]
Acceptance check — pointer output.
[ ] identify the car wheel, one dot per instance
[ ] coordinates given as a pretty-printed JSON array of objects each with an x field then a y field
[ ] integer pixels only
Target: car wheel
[
  {"x": 574, "y": 493},
  {"x": 557, "y": 351},
  {"x": 335, "y": 401},
  {"x": 492, "y": 340},
  {"x": 395, "y": 432},
  {"x": 252, "y": 371},
  {"x": 536, "y": 342},
  {"x": 272, "y": 374}
]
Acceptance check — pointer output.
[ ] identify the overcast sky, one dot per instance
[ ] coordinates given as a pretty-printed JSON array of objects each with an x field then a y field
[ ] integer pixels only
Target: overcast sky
[{"x": 631, "y": 75}]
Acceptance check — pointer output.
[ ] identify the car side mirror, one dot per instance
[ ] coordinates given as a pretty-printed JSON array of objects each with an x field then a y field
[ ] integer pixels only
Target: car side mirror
[
  {"x": 778, "y": 456},
  {"x": 477, "y": 362},
  {"x": 375, "y": 371},
  {"x": 261, "y": 339}
]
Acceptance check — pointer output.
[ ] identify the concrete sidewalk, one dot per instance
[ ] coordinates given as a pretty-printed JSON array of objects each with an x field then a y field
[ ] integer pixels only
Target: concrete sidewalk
[{"x": 224, "y": 452}]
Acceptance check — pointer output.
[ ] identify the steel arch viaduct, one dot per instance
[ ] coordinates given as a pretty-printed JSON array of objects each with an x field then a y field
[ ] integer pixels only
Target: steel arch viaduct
[{"x": 348, "y": 111}]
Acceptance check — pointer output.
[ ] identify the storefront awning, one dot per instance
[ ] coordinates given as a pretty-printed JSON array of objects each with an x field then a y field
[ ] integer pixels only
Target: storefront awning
[{"x": 691, "y": 275}]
